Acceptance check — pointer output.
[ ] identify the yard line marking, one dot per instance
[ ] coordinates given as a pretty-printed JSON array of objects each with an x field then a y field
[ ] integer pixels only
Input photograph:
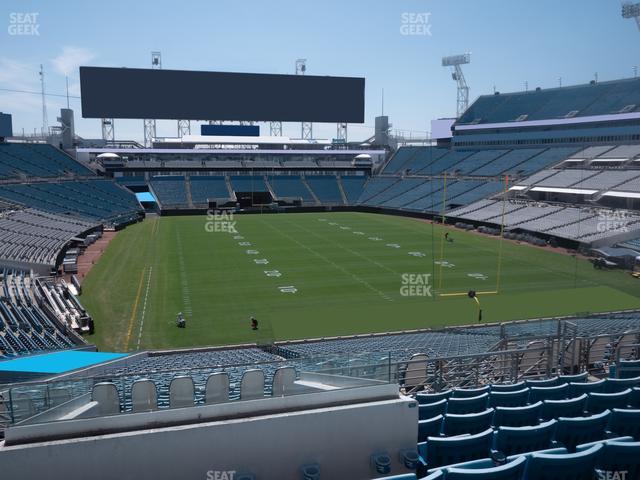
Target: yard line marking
[
  {"x": 353, "y": 252},
  {"x": 184, "y": 284},
  {"x": 144, "y": 307},
  {"x": 335, "y": 265},
  {"x": 133, "y": 311}
]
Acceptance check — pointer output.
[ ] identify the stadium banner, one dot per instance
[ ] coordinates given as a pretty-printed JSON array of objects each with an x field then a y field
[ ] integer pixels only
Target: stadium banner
[{"x": 230, "y": 130}]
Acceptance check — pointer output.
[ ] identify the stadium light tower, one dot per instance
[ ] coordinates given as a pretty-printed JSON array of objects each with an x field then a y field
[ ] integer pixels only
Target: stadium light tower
[
  {"x": 631, "y": 10},
  {"x": 455, "y": 61},
  {"x": 150, "y": 123},
  {"x": 307, "y": 127}
]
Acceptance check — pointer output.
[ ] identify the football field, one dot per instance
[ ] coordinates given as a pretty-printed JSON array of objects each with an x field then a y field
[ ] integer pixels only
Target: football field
[{"x": 310, "y": 275}]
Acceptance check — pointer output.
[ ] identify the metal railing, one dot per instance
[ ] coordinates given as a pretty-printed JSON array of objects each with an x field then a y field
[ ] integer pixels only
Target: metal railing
[{"x": 514, "y": 359}]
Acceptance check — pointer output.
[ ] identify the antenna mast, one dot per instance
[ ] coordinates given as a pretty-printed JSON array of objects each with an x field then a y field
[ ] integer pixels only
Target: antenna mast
[{"x": 45, "y": 120}]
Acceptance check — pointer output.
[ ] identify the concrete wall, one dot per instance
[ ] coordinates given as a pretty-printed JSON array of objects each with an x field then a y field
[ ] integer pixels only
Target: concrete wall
[{"x": 340, "y": 439}]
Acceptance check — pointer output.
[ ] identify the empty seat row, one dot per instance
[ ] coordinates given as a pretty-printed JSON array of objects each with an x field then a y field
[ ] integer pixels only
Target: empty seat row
[
  {"x": 448, "y": 424},
  {"x": 568, "y": 434},
  {"x": 616, "y": 458},
  {"x": 144, "y": 393}
]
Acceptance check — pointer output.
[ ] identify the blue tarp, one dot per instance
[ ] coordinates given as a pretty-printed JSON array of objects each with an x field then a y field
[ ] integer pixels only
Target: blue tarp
[
  {"x": 145, "y": 197},
  {"x": 58, "y": 362}
]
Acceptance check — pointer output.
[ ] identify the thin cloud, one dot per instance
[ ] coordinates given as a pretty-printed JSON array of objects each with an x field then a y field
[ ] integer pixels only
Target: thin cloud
[
  {"x": 17, "y": 75},
  {"x": 70, "y": 59}
]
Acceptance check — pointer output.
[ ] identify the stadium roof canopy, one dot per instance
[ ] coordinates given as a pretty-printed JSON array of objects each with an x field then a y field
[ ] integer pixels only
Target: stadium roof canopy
[
  {"x": 622, "y": 194},
  {"x": 575, "y": 191}
]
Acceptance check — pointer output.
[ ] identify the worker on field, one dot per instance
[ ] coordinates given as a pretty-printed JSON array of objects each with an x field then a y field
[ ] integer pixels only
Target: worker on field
[
  {"x": 180, "y": 321},
  {"x": 254, "y": 323}
]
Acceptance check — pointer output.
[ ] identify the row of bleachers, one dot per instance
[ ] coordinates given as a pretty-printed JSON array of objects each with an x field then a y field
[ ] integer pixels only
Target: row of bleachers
[
  {"x": 609, "y": 180},
  {"x": 325, "y": 188},
  {"x": 248, "y": 183},
  {"x": 574, "y": 101},
  {"x": 19, "y": 160},
  {"x": 398, "y": 160},
  {"x": 429, "y": 195},
  {"x": 101, "y": 200},
  {"x": 132, "y": 181},
  {"x": 399, "y": 188},
  {"x": 622, "y": 151},
  {"x": 474, "y": 456},
  {"x": 24, "y": 326},
  {"x": 584, "y": 224},
  {"x": 62, "y": 303},
  {"x": 485, "y": 210},
  {"x": 460, "y": 341},
  {"x": 511, "y": 420},
  {"x": 423, "y": 158},
  {"x": 173, "y": 191},
  {"x": 445, "y": 163},
  {"x": 478, "y": 160},
  {"x": 353, "y": 186},
  {"x": 563, "y": 178},
  {"x": 170, "y": 190},
  {"x": 34, "y": 236},
  {"x": 135, "y": 394},
  {"x": 374, "y": 186},
  {"x": 422, "y": 192},
  {"x": 633, "y": 243},
  {"x": 612, "y": 324},
  {"x": 292, "y": 186},
  {"x": 204, "y": 188},
  {"x": 430, "y": 161},
  {"x": 511, "y": 163}
]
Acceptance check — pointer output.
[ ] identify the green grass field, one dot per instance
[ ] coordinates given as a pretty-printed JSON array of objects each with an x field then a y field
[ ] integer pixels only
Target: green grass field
[{"x": 347, "y": 271}]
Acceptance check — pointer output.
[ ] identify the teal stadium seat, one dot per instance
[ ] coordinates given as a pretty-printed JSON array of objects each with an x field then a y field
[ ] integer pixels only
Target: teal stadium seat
[
  {"x": 558, "y": 466},
  {"x": 431, "y": 427},
  {"x": 508, "y": 387},
  {"x": 440, "y": 451},
  {"x": 513, "y": 440},
  {"x": 615, "y": 385},
  {"x": 517, "y": 398},
  {"x": 517, "y": 416},
  {"x": 468, "y": 405},
  {"x": 470, "y": 423},
  {"x": 558, "y": 392},
  {"x": 578, "y": 388},
  {"x": 573, "y": 407},
  {"x": 575, "y": 431},
  {"x": 617, "y": 456},
  {"x": 428, "y": 398},
  {"x": 430, "y": 410},
  {"x": 483, "y": 470},
  {"x": 625, "y": 422},
  {"x": 469, "y": 392},
  {"x": 599, "y": 402}
]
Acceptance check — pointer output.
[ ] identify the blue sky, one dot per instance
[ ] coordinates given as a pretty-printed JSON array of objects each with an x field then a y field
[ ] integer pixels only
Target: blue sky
[{"x": 512, "y": 41}]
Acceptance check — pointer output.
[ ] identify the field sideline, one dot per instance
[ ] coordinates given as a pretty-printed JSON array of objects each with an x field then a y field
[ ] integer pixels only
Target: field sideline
[{"x": 327, "y": 274}]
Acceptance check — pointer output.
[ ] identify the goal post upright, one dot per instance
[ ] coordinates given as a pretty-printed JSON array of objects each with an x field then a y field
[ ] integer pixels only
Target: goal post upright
[
  {"x": 504, "y": 206},
  {"x": 444, "y": 204}
]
